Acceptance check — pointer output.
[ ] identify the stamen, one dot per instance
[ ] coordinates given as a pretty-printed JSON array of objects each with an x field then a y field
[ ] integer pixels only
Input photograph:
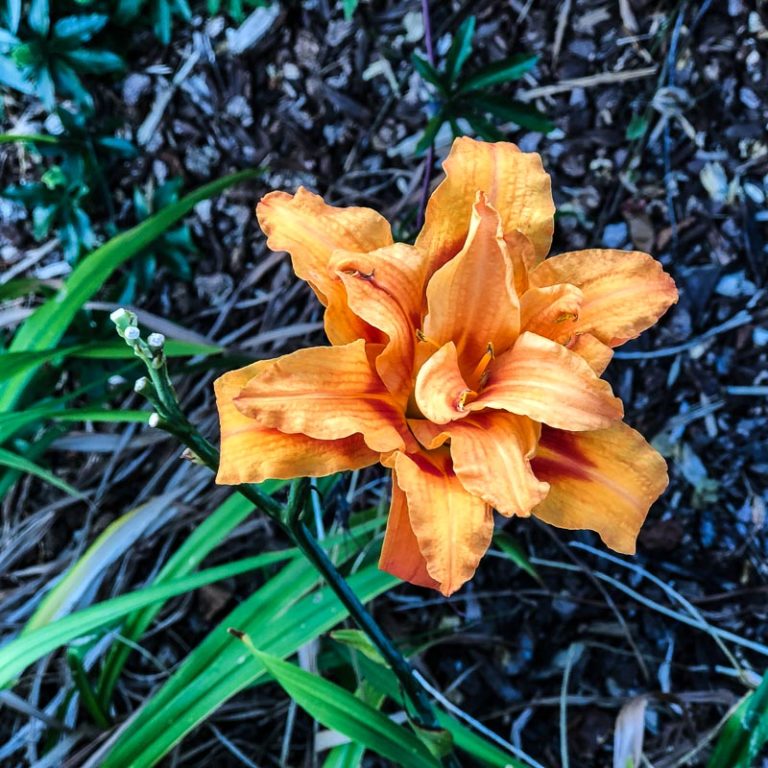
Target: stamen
[
  {"x": 462, "y": 401},
  {"x": 485, "y": 361},
  {"x": 421, "y": 337}
]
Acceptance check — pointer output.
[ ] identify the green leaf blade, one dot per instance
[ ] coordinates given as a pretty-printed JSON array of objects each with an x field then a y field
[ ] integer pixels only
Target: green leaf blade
[
  {"x": 500, "y": 72},
  {"x": 340, "y": 710}
]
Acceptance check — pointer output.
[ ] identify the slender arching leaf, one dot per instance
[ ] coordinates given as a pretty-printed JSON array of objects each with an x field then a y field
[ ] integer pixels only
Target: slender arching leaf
[
  {"x": 47, "y": 325},
  {"x": 336, "y": 708},
  {"x": 221, "y": 667},
  {"x": 17, "y": 655},
  {"x": 745, "y": 733},
  {"x": 433, "y": 126},
  {"x": 460, "y": 49},
  {"x": 500, "y": 72},
  {"x": 15, "y": 363},
  {"x": 429, "y": 73},
  {"x": 508, "y": 110},
  {"x": 22, "y": 464}
]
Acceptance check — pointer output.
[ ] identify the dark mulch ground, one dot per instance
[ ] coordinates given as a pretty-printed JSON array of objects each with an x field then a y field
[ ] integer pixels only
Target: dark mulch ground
[{"x": 299, "y": 101}]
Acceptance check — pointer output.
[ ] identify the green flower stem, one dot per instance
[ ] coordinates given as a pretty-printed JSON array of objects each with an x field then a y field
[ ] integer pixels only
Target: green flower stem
[{"x": 160, "y": 392}]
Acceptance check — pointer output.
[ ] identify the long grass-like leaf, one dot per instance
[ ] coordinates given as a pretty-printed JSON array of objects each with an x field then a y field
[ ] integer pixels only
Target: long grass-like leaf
[
  {"x": 45, "y": 328},
  {"x": 17, "y": 655},
  {"x": 340, "y": 710},
  {"x": 465, "y": 739},
  {"x": 221, "y": 667},
  {"x": 22, "y": 464},
  {"x": 500, "y": 72},
  {"x": 745, "y": 733},
  {"x": 212, "y": 531},
  {"x": 15, "y": 363}
]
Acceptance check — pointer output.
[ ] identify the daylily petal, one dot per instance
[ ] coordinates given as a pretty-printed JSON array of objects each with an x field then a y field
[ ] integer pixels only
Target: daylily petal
[
  {"x": 400, "y": 553},
  {"x": 472, "y": 300},
  {"x": 516, "y": 185},
  {"x": 603, "y": 481},
  {"x": 625, "y": 292},
  {"x": 491, "y": 454},
  {"x": 597, "y": 354},
  {"x": 551, "y": 312},
  {"x": 251, "y": 453},
  {"x": 326, "y": 393},
  {"x": 453, "y": 528},
  {"x": 386, "y": 289},
  {"x": 310, "y": 230},
  {"x": 441, "y": 391},
  {"x": 548, "y": 383},
  {"x": 523, "y": 256}
]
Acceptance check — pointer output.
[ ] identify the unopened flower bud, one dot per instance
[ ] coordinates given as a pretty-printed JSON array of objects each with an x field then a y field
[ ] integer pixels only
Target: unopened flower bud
[
  {"x": 123, "y": 320},
  {"x": 131, "y": 333},
  {"x": 142, "y": 385},
  {"x": 155, "y": 341},
  {"x": 154, "y": 420}
]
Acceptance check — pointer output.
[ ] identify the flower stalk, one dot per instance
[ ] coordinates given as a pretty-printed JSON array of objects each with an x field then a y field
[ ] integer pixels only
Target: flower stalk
[{"x": 159, "y": 391}]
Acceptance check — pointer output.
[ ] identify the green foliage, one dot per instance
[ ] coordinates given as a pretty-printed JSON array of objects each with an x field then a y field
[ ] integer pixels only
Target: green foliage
[
  {"x": 171, "y": 250},
  {"x": 57, "y": 204},
  {"x": 745, "y": 733},
  {"x": 349, "y": 7},
  {"x": 637, "y": 127},
  {"x": 338, "y": 709},
  {"x": 45, "y": 328},
  {"x": 60, "y": 200},
  {"x": 463, "y": 95},
  {"x": 161, "y": 14},
  {"x": 235, "y": 9},
  {"x": 514, "y": 551},
  {"x": 46, "y": 56}
]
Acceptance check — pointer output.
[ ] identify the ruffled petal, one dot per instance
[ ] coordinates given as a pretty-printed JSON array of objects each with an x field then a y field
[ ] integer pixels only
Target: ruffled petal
[
  {"x": 550, "y": 384},
  {"x": 386, "y": 289},
  {"x": 516, "y": 184},
  {"x": 625, "y": 292},
  {"x": 400, "y": 553},
  {"x": 453, "y": 528},
  {"x": 310, "y": 231},
  {"x": 552, "y": 312},
  {"x": 326, "y": 393},
  {"x": 523, "y": 256},
  {"x": 603, "y": 481},
  {"x": 472, "y": 300},
  {"x": 492, "y": 454},
  {"x": 597, "y": 354},
  {"x": 441, "y": 391},
  {"x": 251, "y": 453}
]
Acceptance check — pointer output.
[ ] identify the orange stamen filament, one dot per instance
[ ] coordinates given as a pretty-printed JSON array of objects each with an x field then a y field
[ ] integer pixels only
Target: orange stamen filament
[{"x": 485, "y": 361}]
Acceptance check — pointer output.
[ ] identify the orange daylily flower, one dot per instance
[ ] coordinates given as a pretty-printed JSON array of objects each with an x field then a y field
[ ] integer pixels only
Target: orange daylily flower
[{"x": 467, "y": 363}]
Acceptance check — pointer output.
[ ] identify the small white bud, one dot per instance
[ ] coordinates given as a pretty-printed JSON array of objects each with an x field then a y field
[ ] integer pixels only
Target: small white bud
[
  {"x": 141, "y": 385},
  {"x": 131, "y": 333},
  {"x": 155, "y": 341},
  {"x": 119, "y": 315},
  {"x": 154, "y": 420}
]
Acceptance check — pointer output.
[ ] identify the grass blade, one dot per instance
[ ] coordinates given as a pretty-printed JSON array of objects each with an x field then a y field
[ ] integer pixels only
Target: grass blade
[
  {"x": 22, "y": 464},
  {"x": 220, "y": 667},
  {"x": 17, "y": 655},
  {"x": 45, "y": 328},
  {"x": 16, "y": 363},
  {"x": 500, "y": 72},
  {"x": 338, "y": 709},
  {"x": 745, "y": 733}
]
